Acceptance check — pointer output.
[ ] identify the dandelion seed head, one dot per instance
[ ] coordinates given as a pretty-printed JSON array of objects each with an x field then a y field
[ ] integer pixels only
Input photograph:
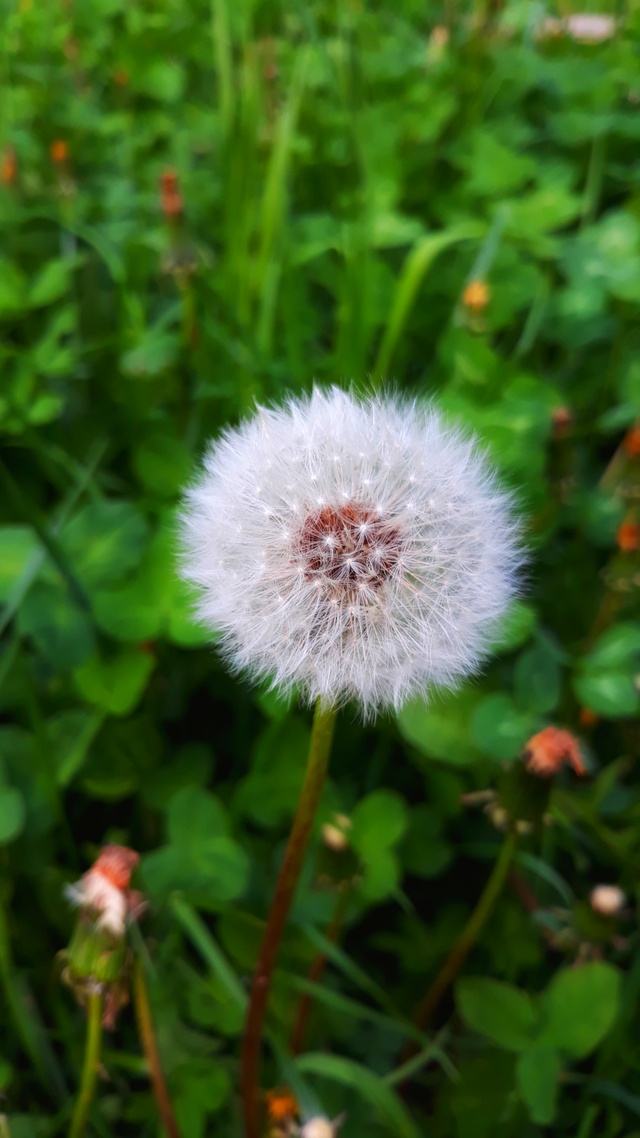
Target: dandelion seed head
[{"x": 378, "y": 554}]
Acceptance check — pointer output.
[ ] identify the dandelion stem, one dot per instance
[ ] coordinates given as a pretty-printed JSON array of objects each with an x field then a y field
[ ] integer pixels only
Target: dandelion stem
[
  {"x": 90, "y": 1067},
  {"x": 150, "y": 1046},
  {"x": 317, "y": 763},
  {"x": 469, "y": 934}
]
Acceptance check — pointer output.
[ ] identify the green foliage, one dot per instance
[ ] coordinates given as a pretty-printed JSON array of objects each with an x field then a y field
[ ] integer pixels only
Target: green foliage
[
  {"x": 344, "y": 172},
  {"x": 567, "y": 1021}
]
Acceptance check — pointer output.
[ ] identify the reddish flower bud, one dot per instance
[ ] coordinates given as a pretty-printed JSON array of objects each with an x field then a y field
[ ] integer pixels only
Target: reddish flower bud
[
  {"x": 282, "y": 1105},
  {"x": 59, "y": 151},
  {"x": 170, "y": 196},
  {"x": 8, "y": 166},
  {"x": 631, "y": 442},
  {"x": 547, "y": 752},
  {"x": 628, "y": 537}
]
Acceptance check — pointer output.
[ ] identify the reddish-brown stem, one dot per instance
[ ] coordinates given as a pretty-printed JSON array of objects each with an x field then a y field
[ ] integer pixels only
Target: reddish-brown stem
[
  {"x": 316, "y": 971},
  {"x": 150, "y": 1046},
  {"x": 318, "y": 761}
]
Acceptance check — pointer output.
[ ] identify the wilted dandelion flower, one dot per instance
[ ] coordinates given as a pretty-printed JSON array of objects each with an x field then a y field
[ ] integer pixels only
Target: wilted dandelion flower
[
  {"x": 103, "y": 891},
  {"x": 350, "y": 548}
]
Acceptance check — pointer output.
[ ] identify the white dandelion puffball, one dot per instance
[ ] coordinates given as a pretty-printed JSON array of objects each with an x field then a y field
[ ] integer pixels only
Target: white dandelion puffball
[{"x": 350, "y": 548}]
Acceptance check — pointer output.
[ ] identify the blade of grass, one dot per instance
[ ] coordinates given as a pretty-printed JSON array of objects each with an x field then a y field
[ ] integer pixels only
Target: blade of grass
[
  {"x": 416, "y": 266},
  {"x": 204, "y": 942},
  {"x": 345, "y": 964},
  {"x": 366, "y": 1084}
]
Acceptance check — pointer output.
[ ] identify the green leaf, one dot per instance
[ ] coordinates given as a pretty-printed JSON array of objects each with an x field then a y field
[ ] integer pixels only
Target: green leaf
[
  {"x": 387, "y": 1104},
  {"x": 499, "y": 729},
  {"x": 60, "y": 630},
  {"x": 380, "y": 819},
  {"x": 12, "y": 813},
  {"x": 195, "y": 816},
  {"x": 17, "y": 543},
  {"x": 611, "y": 694},
  {"x": 441, "y": 728},
  {"x": 516, "y": 627},
  {"x": 115, "y": 685},
  {"x": 210, "y": 873},
  {"x": 500, "y": 1012},
  {"x": 538, "y": 1071},
  {"x": 381, "y": 873},
  {"x": 618, "y": 645},
  {"x": 105, "y": 540},
  {"x": 154, "y": 602},
  {"x": 537, "y": 680},
  {"x": 156, "y": 351},
  {"x": 52, "y": 282},
  {"x": 13, "y": 288},
  {"x": 579, "y": 1008},
  {"x": 71, "y": 733},
  {"x": 162, "y": 464}
]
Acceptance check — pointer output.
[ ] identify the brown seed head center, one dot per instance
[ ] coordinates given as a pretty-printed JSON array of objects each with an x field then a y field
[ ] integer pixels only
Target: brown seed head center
[{"x": 352, "y": 546}]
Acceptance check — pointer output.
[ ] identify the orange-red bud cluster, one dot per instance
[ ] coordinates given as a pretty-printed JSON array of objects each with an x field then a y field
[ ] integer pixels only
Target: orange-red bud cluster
[
  {"x": 59, "y": 151},
  {"x": 170, "y": 196},
  {"x": 550, "y": 750}
]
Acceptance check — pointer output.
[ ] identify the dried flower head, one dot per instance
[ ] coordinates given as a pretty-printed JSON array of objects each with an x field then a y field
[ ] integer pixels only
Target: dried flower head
[
  {"x": 350, "y": 548},
  {"x": 550, "y": 750},
  {"x": 103, "y": 891},
  {"x": 608, "y": 900}
]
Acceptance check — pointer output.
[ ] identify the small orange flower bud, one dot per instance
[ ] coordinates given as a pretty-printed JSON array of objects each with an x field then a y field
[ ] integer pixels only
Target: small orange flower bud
[
  {"x": 8, "y": 166},
  {"x": 631, "y": 442},
  {"x": 547, "y": 752},
  {"x": 476, "y": 296},
  {"x": 170, "y": 196},
  {"x": 59, "y": 151},
  {"x": 121, "y": 77},
  {"x": 281, "y": 1105},
  {"x": 628, "y": 537},
  {"x": 588, "y": 718}
]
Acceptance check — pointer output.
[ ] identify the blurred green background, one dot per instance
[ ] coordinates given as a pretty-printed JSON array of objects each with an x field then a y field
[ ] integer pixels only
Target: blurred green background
[{"x": 208, "y": 204}]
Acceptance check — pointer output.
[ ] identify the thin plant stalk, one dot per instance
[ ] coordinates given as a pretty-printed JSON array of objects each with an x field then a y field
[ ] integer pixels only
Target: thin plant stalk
[
  {"x": 91, "y": 1065},
  {"x": 150, "y": 1047},
  {"x": 317, "y": 764},
  {"x": 470, "y": 932},
  {"x": 316, "y": 971}
]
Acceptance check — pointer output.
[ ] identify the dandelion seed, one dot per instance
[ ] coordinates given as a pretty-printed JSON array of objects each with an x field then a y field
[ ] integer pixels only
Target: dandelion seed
[{"x": 386, "y": 572}]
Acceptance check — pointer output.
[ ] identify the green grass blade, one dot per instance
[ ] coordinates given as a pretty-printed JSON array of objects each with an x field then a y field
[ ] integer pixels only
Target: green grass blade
[
  {"x": 367, "y": 1085},
  {"x": 416, "y": 265}
]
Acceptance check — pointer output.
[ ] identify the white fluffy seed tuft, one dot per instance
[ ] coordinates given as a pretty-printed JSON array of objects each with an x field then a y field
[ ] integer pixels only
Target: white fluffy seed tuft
[{"x": 350, "y": 548}]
